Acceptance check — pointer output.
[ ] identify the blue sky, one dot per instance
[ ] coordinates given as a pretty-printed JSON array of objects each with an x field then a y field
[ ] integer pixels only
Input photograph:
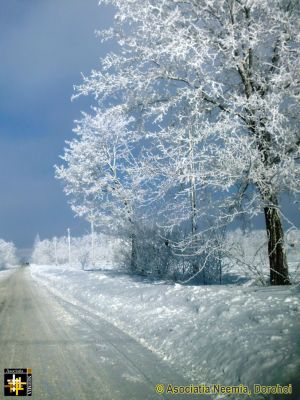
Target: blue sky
[{"x": 44, "y": 47}]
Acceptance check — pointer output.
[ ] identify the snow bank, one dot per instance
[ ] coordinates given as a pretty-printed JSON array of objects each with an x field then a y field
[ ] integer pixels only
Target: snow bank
[
  {"x": 215, "y": 334},
  {"x": 6, "y": 272}
]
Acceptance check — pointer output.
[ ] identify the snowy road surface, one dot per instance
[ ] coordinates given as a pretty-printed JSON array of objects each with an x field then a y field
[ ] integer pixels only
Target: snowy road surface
[{"x": 73, "y": 353}]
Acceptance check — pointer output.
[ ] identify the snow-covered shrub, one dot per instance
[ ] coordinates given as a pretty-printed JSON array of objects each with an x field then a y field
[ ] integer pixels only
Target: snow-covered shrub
[
  {"x": 153, "y": 252},
  {"x": 158, "y": 255}
]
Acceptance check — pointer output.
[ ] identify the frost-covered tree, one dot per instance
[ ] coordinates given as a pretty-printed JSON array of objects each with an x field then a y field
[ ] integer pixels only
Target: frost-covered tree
[
  {"x": 96, "y": 172},
  {"x": 43, "y": 252},
  {"x": 8, "y": 255},
  {"x": 231, "y": 69}
]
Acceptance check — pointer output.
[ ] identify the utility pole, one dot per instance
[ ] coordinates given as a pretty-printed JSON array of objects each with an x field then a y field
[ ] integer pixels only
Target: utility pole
[{"x": 69, "y": 246}]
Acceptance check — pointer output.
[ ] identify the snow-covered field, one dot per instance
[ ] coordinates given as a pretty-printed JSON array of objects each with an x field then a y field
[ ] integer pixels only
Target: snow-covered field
[{"x": 215, "y": 334}]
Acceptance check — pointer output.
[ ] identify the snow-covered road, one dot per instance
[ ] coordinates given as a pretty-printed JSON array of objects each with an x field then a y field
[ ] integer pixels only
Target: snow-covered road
[
  {"x": 73, "y": 354},
  {"x": 226, "y": 334}
]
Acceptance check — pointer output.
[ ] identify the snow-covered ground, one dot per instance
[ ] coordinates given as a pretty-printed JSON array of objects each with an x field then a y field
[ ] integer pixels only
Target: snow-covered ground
[
  {"x": 5, "y": 273},
  {"x": 215, "y": 334}
]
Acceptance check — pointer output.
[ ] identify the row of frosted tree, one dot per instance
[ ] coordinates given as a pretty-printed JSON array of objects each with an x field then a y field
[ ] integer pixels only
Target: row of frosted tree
[
  {"x": 8, "y": 255},
  {"x": 194, "y": 126},
  {"x": 244, "y": 256},
  {"x": 86, "y": 252}
]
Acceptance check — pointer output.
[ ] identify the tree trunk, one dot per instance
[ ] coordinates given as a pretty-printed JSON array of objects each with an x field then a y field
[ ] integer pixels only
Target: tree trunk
[
  {"x": 277, "y": 257},
  {"x": 133, "y": 260}
]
